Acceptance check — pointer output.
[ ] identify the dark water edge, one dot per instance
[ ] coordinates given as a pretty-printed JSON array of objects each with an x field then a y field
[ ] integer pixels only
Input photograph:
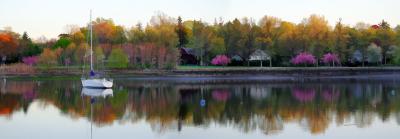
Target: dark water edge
[
  {"x": 292, "y": 72},
  {"x": 218, "y": 79}
]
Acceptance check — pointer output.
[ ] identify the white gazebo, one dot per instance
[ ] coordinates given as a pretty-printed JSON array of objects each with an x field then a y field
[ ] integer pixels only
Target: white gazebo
[{"x": 260, "y": 55}]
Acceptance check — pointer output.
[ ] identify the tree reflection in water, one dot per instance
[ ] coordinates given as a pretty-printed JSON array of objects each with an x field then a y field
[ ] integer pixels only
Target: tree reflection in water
[{"x": 246, "y": 106}]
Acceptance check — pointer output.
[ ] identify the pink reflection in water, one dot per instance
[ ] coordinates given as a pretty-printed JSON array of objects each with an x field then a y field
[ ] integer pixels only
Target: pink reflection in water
[
  {"x": 303, "y": 94},
  {"x": 29, "y": 95},
  {"x": 330, "y": 95},
  {"x": 220, "y": 95}
]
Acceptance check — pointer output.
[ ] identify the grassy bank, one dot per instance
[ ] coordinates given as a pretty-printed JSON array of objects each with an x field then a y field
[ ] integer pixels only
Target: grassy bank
[
  {"x": 76, "y": 72},
  {"x": 288, "y": 71}
]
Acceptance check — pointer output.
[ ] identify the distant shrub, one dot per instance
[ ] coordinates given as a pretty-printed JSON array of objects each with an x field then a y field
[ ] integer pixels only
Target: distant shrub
[
  {"x": 303, "y": 58},
  {"x": 330, "y": 58},
  {"x": 30, "y": 60},
  {"x": 118, "y": 59},
  {"x": 220, "y": 60}
]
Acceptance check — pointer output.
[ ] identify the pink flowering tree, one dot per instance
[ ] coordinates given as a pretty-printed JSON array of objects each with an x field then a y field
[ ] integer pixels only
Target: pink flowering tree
[
  {"x": 330, "y": 58},
  {"x": 221, "y": 60},
  {"x": 30, "y": 60},
  {"x": 303, "y": 59}
]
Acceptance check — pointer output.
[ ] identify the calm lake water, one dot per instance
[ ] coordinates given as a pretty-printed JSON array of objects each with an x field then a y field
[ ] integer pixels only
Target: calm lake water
[{"x": 201, "y": 108}]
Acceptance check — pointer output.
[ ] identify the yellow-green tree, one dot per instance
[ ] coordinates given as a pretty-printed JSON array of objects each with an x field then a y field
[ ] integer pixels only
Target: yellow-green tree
[
  {"x": 118, "y": 59},
  {"x": 341, "y": 41},
  {"x": 317, "y": 35}
]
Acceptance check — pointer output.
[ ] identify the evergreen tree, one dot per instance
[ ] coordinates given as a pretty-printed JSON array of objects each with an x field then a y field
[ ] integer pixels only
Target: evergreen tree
[{"x": 182, "y": 33}]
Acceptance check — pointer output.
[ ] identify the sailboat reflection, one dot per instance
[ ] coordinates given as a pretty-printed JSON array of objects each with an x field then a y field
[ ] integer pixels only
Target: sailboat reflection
[
  {"x": 94, "y": 93},
  {"x": 97, "y": 92}
]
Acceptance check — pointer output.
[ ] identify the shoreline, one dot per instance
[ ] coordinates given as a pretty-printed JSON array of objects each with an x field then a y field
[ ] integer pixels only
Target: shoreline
[{"x": 255, "y": 72}]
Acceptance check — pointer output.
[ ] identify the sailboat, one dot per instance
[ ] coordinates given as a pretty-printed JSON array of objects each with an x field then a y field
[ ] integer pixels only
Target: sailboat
[{"x": 94, "y": 81}]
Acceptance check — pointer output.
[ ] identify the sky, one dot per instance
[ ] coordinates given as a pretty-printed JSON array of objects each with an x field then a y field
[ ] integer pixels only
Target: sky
[{"x": 50, "y": 17}]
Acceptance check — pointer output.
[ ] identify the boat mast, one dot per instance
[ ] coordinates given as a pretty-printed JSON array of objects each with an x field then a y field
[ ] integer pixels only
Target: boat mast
[{"x": 91, "y": 43}]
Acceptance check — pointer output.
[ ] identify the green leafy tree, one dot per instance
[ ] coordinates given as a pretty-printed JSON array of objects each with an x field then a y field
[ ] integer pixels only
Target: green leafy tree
[
  {"x": 63, "y": 42},
  {"x": 206, "y": 42},
  {"x": 78, "y": 37},
  {"x": 119, "y": 36},
  {"x": 269, "y": 36},
  {"x": 397, "y": 30},
  {"x": 136, "y": 35},
  {"x": 232, "y": 35},
  {"x": 68, "y": 54},
  {"x": 341, "y": 41},
  {"x": 99, "y": 56},
  {"x": 386, "y": 38},
  {"x": 217, "y": 46},
  {"x": 288, "y": 43},
  {"x": 48, "y": 58},
  {"x": 318, "y": 33},
  {"x": 28, "y": 47},
  {"x": 161, "y": 31},
  {"x": 360, "y": 38},
  {"x": 81, "y": 54},
  {"x": 374, "y": 53},
  {"x": 250, "y": 31},
  {"x": 33, "y": 49},
  {"x": 396, "y": 55},
  {"x": 25, "y": 41},
  {"x": 201, "y": 41}
]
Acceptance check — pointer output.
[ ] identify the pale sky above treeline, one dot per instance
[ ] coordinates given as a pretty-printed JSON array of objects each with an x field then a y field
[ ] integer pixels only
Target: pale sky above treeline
[{"x": 50, "y": 17}]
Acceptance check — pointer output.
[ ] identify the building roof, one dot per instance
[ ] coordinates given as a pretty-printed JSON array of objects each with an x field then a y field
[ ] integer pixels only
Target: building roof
[
  {"x": 237, "y": 58},
  {"x": 189, "y": 51}
]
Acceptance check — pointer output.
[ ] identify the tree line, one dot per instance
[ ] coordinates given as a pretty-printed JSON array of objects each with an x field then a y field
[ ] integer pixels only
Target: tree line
[{"x": 157, "y": 45}]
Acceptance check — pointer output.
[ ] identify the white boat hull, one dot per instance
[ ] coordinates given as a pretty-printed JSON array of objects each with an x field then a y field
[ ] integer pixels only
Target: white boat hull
[{"x": 97, "y": 83}]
